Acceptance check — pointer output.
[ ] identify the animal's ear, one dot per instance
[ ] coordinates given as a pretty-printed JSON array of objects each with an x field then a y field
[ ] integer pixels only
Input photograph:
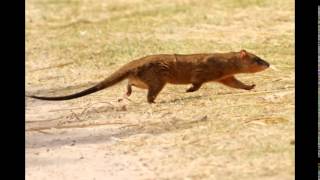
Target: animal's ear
[{"x": 243, "y": 53}]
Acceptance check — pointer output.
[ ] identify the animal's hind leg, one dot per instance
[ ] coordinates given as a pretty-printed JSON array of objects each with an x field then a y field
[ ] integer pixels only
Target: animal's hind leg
[
  {"x": 129, "y": 89},
  {"x": 154, "y": 80},
  {"x": 128, "y": 93}
]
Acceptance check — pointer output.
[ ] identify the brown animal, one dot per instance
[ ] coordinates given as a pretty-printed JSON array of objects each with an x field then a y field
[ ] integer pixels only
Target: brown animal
[{"x": 153, "y": 72}]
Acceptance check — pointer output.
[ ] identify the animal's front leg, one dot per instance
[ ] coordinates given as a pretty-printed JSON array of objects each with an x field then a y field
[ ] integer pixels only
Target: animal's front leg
[{"x": 233, "y": 82}]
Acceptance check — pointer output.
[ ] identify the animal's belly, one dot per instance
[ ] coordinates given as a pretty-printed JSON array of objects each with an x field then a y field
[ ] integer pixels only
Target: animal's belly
[
  {"x": 179, "y": 81},
  {"x": 180, "y": 78}
]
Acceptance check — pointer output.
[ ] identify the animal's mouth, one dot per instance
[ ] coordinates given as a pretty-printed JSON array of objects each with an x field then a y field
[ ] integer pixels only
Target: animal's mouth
[
  {"x": 260, "y": 68},
  {"x": 264, "y": 67}
]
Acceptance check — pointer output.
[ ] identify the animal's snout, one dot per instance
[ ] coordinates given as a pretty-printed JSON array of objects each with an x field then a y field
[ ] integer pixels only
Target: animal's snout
[{"x": 263, "y": 63}]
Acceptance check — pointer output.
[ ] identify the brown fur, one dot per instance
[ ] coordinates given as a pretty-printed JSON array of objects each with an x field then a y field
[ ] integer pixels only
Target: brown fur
[{"x": 153, "y": 72}]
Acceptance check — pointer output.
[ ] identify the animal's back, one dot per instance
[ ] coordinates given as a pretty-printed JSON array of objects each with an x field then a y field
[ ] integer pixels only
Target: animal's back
[{"x": 174, "y": 68}]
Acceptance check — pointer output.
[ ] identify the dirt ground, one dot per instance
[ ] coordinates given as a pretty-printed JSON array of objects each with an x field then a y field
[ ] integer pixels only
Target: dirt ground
[{"x": 215, "y": 133}]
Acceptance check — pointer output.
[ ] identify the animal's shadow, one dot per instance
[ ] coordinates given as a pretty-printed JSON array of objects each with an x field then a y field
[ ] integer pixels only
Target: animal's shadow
[
  {"x": 188, "y": 97},
  {"x": 148, "y": 128}
]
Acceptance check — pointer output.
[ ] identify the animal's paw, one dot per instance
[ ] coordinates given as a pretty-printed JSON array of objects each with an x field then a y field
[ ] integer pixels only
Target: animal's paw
[
  {"x": 189, "y": 90},
  {"x": 250, "y": 87}
]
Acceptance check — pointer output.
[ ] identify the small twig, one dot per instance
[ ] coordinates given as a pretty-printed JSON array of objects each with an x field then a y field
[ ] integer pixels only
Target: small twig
[
  {"x": 70, "y": 24},
  {"x": 86, "y": 109},
  {"x": 43, "y": 132},
  {"x": 260, "y": 119},
  {"x": 49, "y": 67},
  {"x": 165, "y": 114},
  {"x": 130, "y": 125},
  {"x": 55, "y": 110},
  {"x": 73, "y": 126},
  {"x": 255, "y": 119},
  {"x": 43, "y": 121},
  {"x": 75, "y": 115}
]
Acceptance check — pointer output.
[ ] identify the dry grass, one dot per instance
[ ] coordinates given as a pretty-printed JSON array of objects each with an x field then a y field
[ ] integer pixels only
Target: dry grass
[{"x": 214, "y": 133}]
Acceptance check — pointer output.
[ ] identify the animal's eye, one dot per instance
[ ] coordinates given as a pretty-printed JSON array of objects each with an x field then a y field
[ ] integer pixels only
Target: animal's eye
[{"x": 262, "y": 62}]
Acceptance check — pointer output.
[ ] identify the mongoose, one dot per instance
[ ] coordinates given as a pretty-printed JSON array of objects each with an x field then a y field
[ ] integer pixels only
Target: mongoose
[{"x": 154, "y": 71}]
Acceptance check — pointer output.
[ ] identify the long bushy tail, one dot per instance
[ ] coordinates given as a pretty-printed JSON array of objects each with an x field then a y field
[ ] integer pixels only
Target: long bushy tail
[{"x": 111, "y": 80}]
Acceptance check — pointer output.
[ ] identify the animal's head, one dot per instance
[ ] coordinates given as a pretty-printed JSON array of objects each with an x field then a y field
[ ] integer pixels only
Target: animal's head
[{"x": 251, "y": 63}]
